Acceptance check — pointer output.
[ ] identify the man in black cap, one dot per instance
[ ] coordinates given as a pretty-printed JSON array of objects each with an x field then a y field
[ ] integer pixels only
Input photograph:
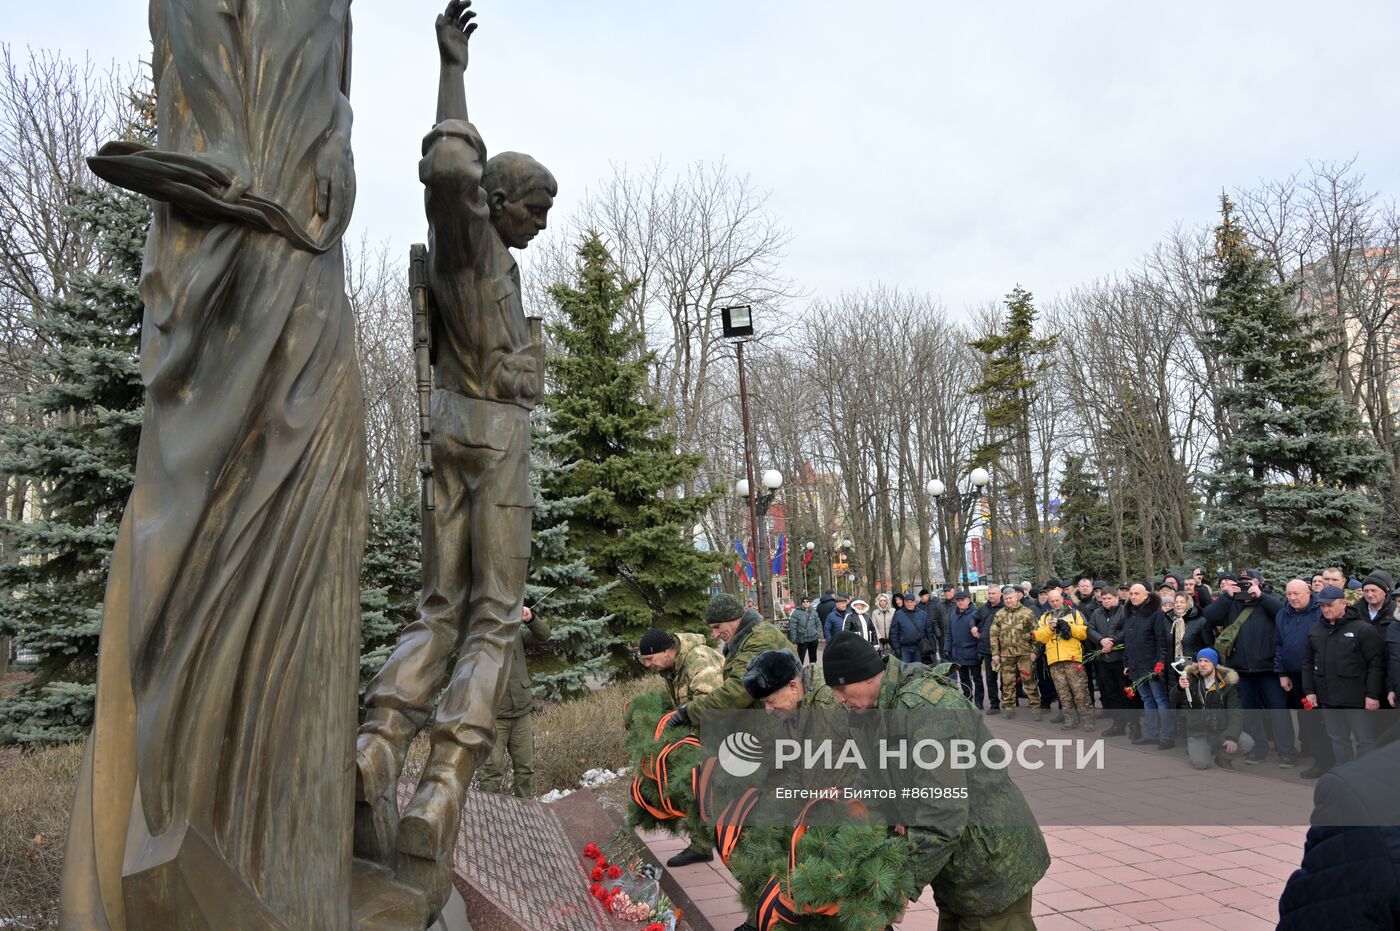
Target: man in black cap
[
  {"x": 982, "y": 854},
  {"x": 781, "y": 684},
  {"x": 689, "y": 666},
  {"x": 1343, "y": 674}
]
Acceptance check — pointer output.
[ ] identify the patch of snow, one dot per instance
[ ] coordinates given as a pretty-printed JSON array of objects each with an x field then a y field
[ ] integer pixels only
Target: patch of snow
[
  {"x": 590, "y": 780},
  {"x": 600, "y": 777}
]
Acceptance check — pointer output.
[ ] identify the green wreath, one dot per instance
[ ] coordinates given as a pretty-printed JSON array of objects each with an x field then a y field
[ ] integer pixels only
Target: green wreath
[
  {"x": 860, "y": 866},
  {"x": 641, "y": 719}
]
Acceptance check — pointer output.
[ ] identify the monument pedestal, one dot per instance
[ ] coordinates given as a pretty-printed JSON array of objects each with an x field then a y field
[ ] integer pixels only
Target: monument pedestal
[
  {"x": 518, "y": 866},
  {"x": 381, "y": 903}
]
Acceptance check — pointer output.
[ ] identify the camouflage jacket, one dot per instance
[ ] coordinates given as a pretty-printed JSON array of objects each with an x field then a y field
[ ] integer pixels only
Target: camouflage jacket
[
  {"x": 751, "y": 639},
  {"x": 981, "y": 853},
  {"x": 1013, "y": 632},
  {"x": 699, "y": 670},
  {"x": 815, "y": 692}
]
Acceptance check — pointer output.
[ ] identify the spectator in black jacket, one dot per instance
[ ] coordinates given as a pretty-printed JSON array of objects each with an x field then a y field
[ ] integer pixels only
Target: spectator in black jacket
[
  {"x": 1145, "y": 655},
  {"x": 986, "y": 614},
  {"x": 1350, "y": 876},
  {"x": 1106, "y": 636},
  {"x": 1213, "y": 724},
  {"x": 1250, "y": 612},
  {"x": 1392, "y": 653},
  {"x": 934, "y": 619},
  {"x": 825, "y": 605},
  {"x": 1343, "y": 674},
  {"x": 1376, "y": 604},
  {"x": 1291, "y": 627}
]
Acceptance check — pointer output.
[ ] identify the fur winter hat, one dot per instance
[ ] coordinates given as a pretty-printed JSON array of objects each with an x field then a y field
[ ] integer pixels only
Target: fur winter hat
[
  {"x": 722, "y": 608},
  {"x": 770, "y": 671}
]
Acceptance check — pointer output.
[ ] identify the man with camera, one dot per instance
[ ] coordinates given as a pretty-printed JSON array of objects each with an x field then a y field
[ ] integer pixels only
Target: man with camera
[{"x": 1246, "y": 642}]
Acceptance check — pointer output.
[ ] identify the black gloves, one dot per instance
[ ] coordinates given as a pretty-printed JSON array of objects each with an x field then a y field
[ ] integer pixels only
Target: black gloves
[
  {"x": 1062, "y": 629},
  {"x": 679, "y": 718}
]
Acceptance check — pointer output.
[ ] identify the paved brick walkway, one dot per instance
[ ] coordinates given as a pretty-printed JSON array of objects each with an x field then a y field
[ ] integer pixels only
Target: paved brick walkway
[{"x": 1155, "y": 877}]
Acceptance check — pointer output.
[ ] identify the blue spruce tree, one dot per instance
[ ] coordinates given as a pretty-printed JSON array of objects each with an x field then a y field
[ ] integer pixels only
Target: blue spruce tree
[{"x": 75, "y": 443}]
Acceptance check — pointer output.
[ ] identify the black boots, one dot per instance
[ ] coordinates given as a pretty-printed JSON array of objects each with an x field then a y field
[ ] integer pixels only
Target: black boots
[{"x": 690, "y": 855}]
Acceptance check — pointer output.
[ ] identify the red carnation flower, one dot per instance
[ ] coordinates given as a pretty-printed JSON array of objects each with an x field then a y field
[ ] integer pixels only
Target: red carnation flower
[
  {"x": 596, "y": 891},
  {"x": 614, "y": 872},
  {"x": 1079, "y": 666},
  {"x": 1130, "y": 692},
  {"x": 597, "y": 874},
  {"x": 655, "y": 926},
  {"x": 592, "y": 852},
  {"x": 1157, "y": 670}
]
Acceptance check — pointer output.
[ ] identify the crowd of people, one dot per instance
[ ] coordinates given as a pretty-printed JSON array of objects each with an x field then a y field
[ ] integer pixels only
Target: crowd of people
[
  {"x": 1253, "y": 661},
  {"x": 1224, "y": 670}
]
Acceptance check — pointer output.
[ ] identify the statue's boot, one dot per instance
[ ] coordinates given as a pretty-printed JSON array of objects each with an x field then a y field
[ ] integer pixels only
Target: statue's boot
[
  {"x": 380, "y": 749},
  {"x": 428, "y": 829}
]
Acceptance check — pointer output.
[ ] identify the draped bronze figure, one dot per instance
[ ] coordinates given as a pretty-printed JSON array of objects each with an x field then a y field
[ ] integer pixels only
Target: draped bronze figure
[{"x": 217, "y": 788}]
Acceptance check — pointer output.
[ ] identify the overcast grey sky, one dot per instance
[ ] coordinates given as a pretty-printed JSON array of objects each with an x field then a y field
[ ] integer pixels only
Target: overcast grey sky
[{"x": 951, "y": 148}]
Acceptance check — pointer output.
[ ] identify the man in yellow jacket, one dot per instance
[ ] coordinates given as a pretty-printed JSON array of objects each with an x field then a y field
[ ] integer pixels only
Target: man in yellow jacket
[{"x": 1062, "y": 629}]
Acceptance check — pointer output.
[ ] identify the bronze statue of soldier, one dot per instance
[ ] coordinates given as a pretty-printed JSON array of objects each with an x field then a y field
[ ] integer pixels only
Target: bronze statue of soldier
[{"x": 488, "y": 375}]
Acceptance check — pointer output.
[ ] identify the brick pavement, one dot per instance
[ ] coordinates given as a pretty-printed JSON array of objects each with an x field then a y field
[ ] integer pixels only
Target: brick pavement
[{"x": 1170, "y": 878}]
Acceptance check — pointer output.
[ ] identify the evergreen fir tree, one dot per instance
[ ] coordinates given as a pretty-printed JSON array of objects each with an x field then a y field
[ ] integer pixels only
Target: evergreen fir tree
[
  {"x": 1086, "y": 525},
  {"x": 390, "y": 580},
  {"x": 1013, "y": 360},
  {"x": 633, "y": 523},
  {"x": 1288, "y": 495},
  {"x": 563, "y": 588},
  {"x": 75, "y": 442}
]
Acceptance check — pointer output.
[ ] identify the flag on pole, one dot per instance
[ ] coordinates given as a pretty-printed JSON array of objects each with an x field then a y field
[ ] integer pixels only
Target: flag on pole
[
  {"x": 743, "y": 568},
  {"x": 806, "y": 558},
  {"x": 779, "y": 566}
]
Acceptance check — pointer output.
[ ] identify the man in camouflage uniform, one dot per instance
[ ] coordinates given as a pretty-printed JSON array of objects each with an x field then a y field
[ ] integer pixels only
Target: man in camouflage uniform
[
  {"x": 983, "y": 854},
  {"x": 744, "y": 635},
  {"x": 689, "y": 667},
  {"x": 1013, "y": 651},
  {"x": 1063, "y": 629},
  {"x": 515, "y": 726},
  {"x": 782, "y": 685}
]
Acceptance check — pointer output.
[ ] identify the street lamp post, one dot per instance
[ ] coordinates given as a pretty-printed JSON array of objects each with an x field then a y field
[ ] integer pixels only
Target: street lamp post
[
  {"x": 758, "y": 509},
  {"x": 806, "y": 582},
  {"x": 737, "y": 327},
  {"x": 962, "y": 501}
]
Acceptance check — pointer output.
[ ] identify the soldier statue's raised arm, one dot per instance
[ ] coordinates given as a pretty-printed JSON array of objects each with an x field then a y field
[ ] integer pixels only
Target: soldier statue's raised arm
[{"x": 488, "y": 362}]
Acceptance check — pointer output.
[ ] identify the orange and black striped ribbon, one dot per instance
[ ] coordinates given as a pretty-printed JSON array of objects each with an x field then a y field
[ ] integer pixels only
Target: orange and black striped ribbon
[
  {"x": 702, "y": 786},
  {"x": 731, "y": 823}
]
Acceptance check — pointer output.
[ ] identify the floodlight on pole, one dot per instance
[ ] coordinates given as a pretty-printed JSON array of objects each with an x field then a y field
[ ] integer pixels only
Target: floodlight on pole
[{"x": 736, "y": 322}]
